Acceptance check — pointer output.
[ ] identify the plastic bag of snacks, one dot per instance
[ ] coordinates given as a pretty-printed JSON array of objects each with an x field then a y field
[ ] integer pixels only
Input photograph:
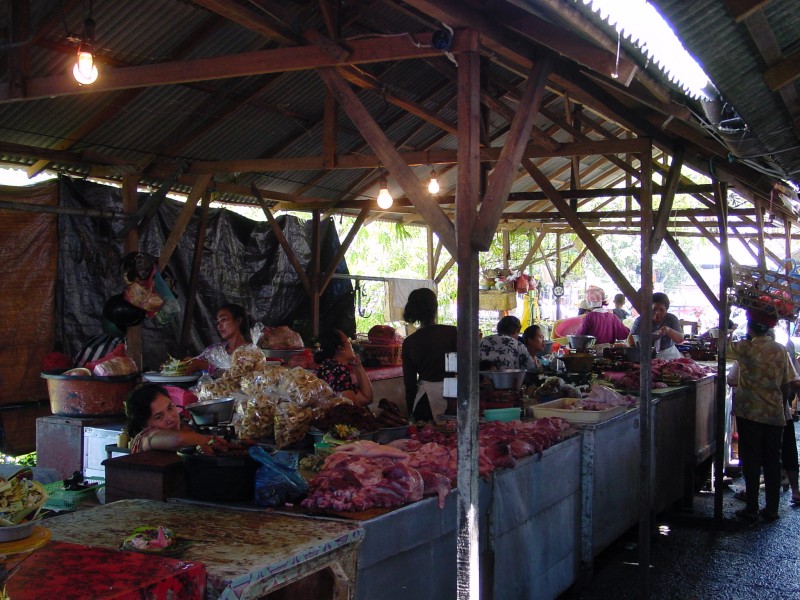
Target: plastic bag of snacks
[
  {"x": 304, "y": 388},
  {"x": 255, "y": 418},
  {"x": 292, "y": 423}
]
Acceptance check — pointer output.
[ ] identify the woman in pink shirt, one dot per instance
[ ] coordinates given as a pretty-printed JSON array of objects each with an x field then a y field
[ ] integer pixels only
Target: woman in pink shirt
[{"x": 601, "y": 323}]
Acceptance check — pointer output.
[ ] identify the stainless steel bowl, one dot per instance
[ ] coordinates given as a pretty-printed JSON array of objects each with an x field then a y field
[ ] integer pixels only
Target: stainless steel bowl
[
  {"x": 581, "y": 342},
  {"x": 505, "y": 380},
  {"x": 212, "y": 413}
]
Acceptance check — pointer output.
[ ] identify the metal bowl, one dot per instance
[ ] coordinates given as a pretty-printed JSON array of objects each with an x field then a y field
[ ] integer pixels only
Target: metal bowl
[
  {"x": 212, "y": 413},
  {"x": 581, "y": 342},
  {"x": 505, "y": 380}
]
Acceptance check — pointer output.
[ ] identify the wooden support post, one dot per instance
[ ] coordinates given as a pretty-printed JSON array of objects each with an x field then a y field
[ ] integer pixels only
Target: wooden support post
[
  {"x": 506, "y": 237},
  {"x": 725, "y": 281},
  {"x": 667, "y": 197},
  {"x": 429, "y": 252},
  {"x": 194, "y": 278},
  {"x": 645, "y": 376},
  {"x": 130, "y": 204},
  {"x": 467, "y": 195},
  {"x": 559, "y": 301},
  {"x": 762, "y": 257},
  {"x": 316, "y": 243}
]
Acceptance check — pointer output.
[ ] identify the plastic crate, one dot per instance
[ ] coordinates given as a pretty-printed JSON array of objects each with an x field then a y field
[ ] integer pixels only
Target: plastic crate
[{"x": 60, "y": 499}]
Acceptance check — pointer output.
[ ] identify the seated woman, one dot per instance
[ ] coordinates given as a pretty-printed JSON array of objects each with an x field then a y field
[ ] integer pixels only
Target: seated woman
[
  {"x": 533, "y": 338},
  {"x": 154, "y": 423},
  {"x": 234, "y": 329},
  {"x": 337, "y": 362},
  {"x": 504, "y": 350}
]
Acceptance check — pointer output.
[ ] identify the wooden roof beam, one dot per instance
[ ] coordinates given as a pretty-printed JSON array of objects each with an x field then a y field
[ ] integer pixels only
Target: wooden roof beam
[
  {"x": 508, "y": 163},
  {"x": 251, "y": 20},
  {"x": 258, "y": 62},
  {"x": 497, "y": 40},
  {"x": 665, "y": 207},
  {"x": 384, "y": 149},
  {"x": 414, "y": 158},
  {"x": 580, "y": 229}
]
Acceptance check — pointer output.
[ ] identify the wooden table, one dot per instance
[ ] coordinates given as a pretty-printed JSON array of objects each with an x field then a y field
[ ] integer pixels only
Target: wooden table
[{"x": 247, "y": 554}]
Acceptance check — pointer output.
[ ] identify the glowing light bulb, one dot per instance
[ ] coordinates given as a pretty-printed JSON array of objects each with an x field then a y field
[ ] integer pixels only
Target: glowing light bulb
[
  {"x": 385, "y": 199},
  {"x": 84, "y": 71},
  {"x": 433, "y": 185}
]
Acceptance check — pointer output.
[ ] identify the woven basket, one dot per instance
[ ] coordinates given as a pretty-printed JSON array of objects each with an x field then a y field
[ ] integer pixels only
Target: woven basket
[{"x": 765, "y": 290}]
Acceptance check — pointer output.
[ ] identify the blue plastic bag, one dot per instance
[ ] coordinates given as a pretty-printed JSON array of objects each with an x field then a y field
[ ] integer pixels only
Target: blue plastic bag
[{"x": 276, "y": 482}]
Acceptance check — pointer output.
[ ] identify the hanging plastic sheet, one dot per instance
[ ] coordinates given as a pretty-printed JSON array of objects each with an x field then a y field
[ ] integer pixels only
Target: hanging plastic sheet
[{"x": 242, "y": 263}]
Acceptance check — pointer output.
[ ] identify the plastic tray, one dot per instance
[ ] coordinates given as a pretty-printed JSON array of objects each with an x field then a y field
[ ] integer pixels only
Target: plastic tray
[
  {"x": 60, "y": 499},
  {"x": 555, "y": 408}
]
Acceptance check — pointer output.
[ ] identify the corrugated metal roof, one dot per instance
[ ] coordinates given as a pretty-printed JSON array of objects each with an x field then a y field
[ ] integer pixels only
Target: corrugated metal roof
[
  {"x": 733, "y": 62},
  {"x": 280, "y": 116}
]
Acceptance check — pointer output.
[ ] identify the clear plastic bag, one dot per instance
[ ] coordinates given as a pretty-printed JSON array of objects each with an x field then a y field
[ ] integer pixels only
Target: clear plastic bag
[
  {"x": 292, "y": 423},
  {"x": 255, "y": 418}
]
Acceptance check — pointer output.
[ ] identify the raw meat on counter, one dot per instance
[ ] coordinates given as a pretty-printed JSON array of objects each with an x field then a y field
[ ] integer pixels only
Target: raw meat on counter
[
  {"x": 683, "y": 368},
  {"x": 365, "y": 475}
]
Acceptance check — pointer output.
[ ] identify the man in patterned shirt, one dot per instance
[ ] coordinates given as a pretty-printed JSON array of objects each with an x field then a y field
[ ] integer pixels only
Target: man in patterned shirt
[{"x": 504, "y": 350}]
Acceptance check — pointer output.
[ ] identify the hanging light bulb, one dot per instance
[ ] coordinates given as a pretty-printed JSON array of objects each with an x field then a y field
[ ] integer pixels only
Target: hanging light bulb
[
  {"x": 385, "y": 199},
  {"x": 433, "y": 185},
  {"x": 85, "y": 71}
]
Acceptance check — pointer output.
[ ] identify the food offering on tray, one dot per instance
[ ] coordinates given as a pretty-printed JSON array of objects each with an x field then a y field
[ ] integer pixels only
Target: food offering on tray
[
  {"x": 20, "y": 498},
  {"x": 149, "y": 539},
  {"x": 358, "y": 417},
  {"x": 175, "y": 367}
]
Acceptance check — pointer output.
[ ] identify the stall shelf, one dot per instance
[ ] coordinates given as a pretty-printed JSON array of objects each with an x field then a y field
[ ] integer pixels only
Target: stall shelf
[
  {"x": 247, "y": 554},
  {"x": 671, "y": 442}
]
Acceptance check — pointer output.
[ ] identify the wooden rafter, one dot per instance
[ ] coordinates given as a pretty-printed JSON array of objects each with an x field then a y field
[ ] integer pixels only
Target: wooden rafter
[
  {"x": 667, "y": 197},
  {"x": 387, "y": 154},
  {"x": 175, "y": 234},
  {"x": 507, "y": 164}
]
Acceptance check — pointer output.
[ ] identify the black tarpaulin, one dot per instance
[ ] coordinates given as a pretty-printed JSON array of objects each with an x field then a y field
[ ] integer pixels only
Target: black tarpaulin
[{"x": 242, "y": 263}]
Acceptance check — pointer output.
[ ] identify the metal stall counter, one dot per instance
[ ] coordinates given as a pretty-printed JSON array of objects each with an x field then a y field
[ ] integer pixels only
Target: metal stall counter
[{"x": 247, "y": 554}]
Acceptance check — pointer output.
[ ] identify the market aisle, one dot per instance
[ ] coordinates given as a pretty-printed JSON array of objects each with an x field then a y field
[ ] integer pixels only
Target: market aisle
[{"x": 694, "y": 558}]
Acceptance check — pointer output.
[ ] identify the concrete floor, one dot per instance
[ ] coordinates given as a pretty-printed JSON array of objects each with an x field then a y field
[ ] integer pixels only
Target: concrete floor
[{"x": 694, "y": 557}]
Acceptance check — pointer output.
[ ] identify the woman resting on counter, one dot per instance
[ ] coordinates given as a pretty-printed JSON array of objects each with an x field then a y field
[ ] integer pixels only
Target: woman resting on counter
[
  {"x": 336, "y": 358},
  {"x": 423, "y": 356},
  {"x": 154, "y": 423},
  {"x": 234, "y": 329},
  {"x": 666, "y": 328}
]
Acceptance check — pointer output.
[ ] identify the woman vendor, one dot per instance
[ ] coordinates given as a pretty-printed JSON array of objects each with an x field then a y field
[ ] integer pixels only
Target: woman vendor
[
  {"x": 666, "y": 329},
  {"x": 504, "y": 350},
  {"x": 154, "y": 423},
  {"x": 423, "y": 355},
  {"x": 533, "y": 338},
  {"x": 599, "y": 322},
  {"x": 234, "y": 329},
  {"x": 336, "y": 358}
]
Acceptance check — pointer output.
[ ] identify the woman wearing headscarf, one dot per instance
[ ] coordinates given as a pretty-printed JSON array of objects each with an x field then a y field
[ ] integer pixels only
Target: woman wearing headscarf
[{"x": 599, "y": 322}]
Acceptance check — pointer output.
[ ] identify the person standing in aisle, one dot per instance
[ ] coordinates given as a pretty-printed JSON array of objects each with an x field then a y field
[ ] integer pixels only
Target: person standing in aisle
[
  {"x": 423, "y": 355},
  {"x": 765, "y": 373}
]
